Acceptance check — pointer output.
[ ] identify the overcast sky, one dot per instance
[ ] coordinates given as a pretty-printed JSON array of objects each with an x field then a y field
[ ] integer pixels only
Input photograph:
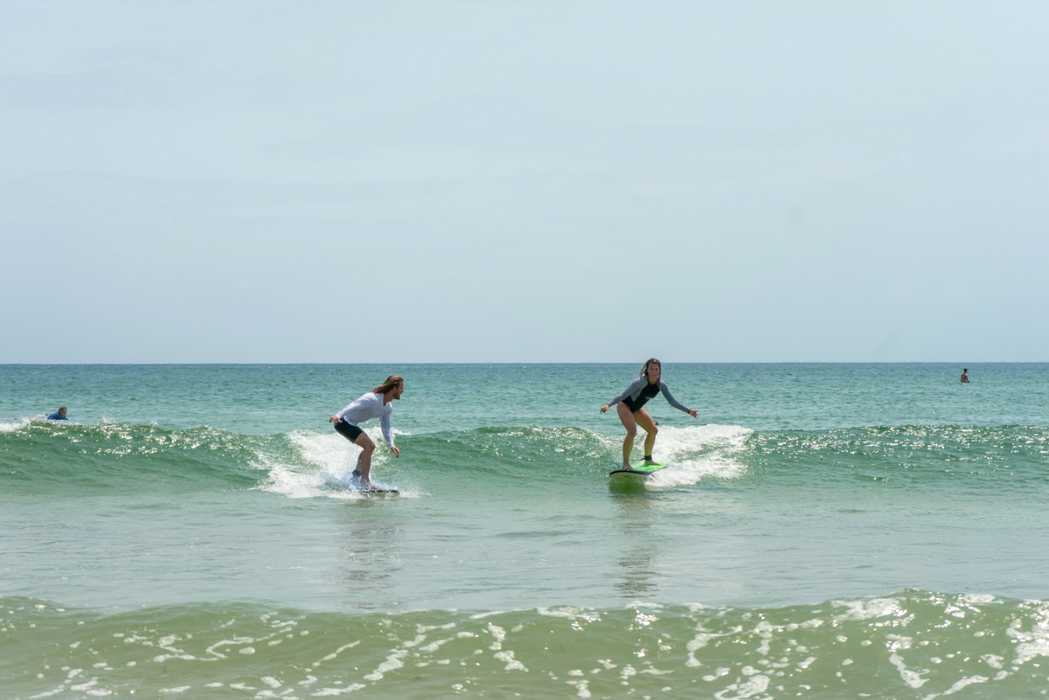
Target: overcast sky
[{"x": 523, "y": 182}]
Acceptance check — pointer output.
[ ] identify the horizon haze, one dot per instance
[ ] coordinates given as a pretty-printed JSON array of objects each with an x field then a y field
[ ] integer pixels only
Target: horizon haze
[{"x": 402, "y": 182}]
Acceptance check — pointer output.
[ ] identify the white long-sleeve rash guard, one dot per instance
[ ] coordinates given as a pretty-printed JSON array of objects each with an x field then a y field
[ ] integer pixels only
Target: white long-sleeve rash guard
[{"x": 368, "y": 407}]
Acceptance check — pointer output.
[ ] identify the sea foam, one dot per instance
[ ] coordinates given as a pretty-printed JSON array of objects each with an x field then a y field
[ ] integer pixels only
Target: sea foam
[
  {"x": 18, "y": 424},
  {"x": 696, "y": 453},
  {"x": 324, "y": 460}
]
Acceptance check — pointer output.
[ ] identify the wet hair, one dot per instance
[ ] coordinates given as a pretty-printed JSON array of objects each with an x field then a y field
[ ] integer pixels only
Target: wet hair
[
  {"x": 391, "y": 381},
  {"x": 965, "y": 369},
  {"x": 651, "y": 361}
]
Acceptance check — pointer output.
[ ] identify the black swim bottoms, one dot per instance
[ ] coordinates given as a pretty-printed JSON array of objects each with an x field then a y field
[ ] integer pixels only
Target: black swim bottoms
[{"x": 348, "y": 430}]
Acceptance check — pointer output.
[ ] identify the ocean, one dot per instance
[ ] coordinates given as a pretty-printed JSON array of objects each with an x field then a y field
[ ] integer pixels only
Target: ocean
[{"x": 821, "y": 531}]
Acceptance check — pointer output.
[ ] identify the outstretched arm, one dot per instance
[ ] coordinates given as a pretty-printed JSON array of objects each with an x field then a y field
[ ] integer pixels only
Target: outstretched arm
[{"x": 675, "y": 403}]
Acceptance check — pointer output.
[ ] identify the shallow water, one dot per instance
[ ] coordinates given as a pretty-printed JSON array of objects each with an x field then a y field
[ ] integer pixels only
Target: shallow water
[{"x": 820, "y": 529}]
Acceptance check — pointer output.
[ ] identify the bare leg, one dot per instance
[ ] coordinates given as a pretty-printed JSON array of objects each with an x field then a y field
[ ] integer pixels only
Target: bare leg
[
  {"x": 631, "y": 430},
  {"x": 364, "y": 459},
  {"x": 646, "y": 422}
]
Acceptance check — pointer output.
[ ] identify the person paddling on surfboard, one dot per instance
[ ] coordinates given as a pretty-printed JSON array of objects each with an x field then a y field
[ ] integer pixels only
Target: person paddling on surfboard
[
  {"x": 374, "y": 404},
  {"x": 631, "y": 408},
  {"x": 60, "y": 414}
]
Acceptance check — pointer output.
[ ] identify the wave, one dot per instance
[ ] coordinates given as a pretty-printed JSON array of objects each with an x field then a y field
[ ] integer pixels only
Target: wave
[
  {"x": 52, "y": 457},
  {"x": 908, "y": 644},
  {"x": 18, "y": 424},
  {"x": 538, "y": 455},
  {"x": 933, "y": 455}
]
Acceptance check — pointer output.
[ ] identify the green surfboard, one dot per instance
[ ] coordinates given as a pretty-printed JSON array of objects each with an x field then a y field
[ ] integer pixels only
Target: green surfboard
[{"x": 638, "y": 470}]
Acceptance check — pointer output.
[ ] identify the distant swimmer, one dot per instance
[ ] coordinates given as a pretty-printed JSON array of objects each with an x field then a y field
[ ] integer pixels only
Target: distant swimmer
[
  {"x": 58, "y": 415},
  {"x": 631, "y": 411},
  {"x": 965, "y": 376},
  {"x": 375, "y": 404}
]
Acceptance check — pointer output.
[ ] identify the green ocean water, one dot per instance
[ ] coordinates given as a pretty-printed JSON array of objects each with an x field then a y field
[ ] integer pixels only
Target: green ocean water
[{"x": 821, "y": 531}]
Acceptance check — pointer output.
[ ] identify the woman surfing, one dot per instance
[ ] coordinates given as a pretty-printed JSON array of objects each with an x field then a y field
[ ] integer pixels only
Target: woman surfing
[{"x": 631, "y": 409}]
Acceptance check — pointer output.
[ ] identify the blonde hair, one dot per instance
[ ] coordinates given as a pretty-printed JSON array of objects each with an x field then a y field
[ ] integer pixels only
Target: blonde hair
[{"x": 391, "y": 381}]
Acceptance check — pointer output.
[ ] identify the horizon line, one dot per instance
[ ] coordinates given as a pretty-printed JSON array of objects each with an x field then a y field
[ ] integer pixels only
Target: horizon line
[{"x": 512, "y": 362}]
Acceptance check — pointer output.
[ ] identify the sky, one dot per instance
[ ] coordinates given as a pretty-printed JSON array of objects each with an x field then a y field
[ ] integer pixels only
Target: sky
[{"x": 523, "y": 181}]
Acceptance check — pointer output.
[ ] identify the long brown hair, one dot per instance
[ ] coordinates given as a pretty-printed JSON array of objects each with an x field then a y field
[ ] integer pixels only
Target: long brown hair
[
  {"x": 391, "y": 381},
  {"x": 652, "y": 361}
]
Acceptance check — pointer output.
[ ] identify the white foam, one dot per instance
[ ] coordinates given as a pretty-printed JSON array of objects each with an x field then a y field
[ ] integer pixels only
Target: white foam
[
  {"x": 325, "y": 458},
  {"x": 911, "y": 678},
  {"x": 294, "y": 482},
  {"x": 331, "y": 450},
  {"x": 959, "y": 685},
  {"x": 392, "y": 663},
  {"x": 332, "y": 692},
  {"x": 1029, "y": 644},
  {"x": 581, "y": 687},
  {"x": 977, "y": 599},
  {"x": 860, "y": 610},
  {"x": 17, "y": 425},
  {"x": 697, "y": 453},
  {"x": 756, "y": 685},
  {"x": 512, "y": 664}
]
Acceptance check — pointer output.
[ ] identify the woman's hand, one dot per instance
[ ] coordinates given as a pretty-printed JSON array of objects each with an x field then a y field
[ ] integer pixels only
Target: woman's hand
[
  {"x": 694, "y": 413},
  {"x": 334, "y": 419},
  {"x": 604, "y": 408}
]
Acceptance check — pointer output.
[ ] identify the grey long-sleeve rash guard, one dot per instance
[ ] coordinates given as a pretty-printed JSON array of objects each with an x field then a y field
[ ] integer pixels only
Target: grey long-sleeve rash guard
[{"x": 634, "y": 399}]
